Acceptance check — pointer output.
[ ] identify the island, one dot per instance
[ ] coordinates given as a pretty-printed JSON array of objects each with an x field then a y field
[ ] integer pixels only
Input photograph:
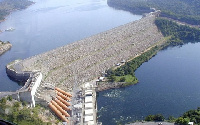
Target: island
[{"x": 4, "y": 46}]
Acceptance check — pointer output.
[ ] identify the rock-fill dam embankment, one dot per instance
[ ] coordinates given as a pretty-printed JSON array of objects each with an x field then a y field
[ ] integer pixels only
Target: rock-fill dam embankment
[{"x": 86, "y": 59}]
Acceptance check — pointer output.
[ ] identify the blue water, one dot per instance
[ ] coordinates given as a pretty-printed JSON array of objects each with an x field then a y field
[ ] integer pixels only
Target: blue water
[
  {"x": 49, "y": 24},
  {"x": 169, "y": 84}
]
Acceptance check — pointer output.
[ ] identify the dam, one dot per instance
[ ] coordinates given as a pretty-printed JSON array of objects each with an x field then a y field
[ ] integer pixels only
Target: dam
[
  {"x": 73, "y": 65},
  {"x": 89, "y": 58}
]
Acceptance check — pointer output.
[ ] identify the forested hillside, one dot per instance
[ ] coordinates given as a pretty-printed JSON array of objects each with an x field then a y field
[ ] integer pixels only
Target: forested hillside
[
  {"x": 183, "y": 10},
  {"x": 7, "y": 6},
  {"x": 179, "y": 34}
]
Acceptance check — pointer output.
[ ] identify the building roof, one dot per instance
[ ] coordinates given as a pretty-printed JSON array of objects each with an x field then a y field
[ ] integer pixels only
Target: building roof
[
  {"x": 89, "y": 105},
  {"x": 88, "y": 92},
  {"x": 88, "y": 99},
  {"x": 89, "y": 111},
  {"x": 89, "y": 118}
]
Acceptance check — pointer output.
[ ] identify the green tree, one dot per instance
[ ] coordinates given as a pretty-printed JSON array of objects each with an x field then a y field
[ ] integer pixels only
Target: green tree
[
  {"x": 123, "y": 79},
  {"x": 111, "y": 78},
  {"x": 9, "y": 98},
  {"x": 171, "y": 119},
  {"x": 182, "y": 121},
  {"x": 159, "y": 117},
  {"x": 149, "y": 118}
]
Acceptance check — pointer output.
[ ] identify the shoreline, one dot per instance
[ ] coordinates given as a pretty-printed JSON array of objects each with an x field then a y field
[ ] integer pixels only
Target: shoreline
[{"x": 4, "y": 47}]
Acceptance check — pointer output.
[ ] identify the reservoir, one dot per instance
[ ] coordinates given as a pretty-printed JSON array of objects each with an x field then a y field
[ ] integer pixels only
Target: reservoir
[
  {"x": 169, "y": 84},
  {"x": 49, "y": 24}
]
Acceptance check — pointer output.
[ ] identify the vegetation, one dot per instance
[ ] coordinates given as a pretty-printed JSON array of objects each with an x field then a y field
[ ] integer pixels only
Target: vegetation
[
  {"x": 175, "y": 35},
  {"x": 2, "y": 43},
  {"x": 179, "y": 34},
  {"x": 183, "y": 10},
  {"x": 157, "y": 117},
  {"x": 13, "y": 111},
  {"x": 189, "y": 116},
  {"x": 7, "y": 6},
  {"x": 125, "y": 73}
]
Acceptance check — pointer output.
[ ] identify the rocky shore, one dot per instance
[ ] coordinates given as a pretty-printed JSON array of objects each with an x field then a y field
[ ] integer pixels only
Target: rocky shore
[
  {"x": 101, "y": 86},
  {"x": 4, "y": 47},
  {"x": 87, "y": 59}
]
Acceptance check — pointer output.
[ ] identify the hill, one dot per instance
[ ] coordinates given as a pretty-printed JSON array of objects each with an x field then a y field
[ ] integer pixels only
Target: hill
[{"x": 183, "y": 10}]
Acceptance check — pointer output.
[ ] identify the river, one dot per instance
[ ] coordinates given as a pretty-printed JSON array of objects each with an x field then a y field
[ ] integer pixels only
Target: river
[
  {"x": 169, "y": 84},
  {"x": 49, "y": 24}
]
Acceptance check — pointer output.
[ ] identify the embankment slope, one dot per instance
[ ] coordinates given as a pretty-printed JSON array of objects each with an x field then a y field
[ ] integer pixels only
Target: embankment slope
[{"x": 86, "y": 59}]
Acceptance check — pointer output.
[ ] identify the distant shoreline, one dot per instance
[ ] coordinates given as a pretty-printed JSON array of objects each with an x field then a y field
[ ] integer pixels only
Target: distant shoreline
[{"x": 5, "y": 46}]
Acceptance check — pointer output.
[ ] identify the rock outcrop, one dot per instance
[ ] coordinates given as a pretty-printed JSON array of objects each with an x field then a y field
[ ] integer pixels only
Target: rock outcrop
[{"x": 4, "y": 47}]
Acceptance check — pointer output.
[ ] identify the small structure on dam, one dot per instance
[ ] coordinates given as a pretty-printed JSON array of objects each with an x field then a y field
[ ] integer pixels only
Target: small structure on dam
[{"x": 28, "y": 91}]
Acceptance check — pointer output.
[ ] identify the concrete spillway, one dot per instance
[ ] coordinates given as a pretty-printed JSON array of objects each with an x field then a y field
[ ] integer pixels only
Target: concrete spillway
[{"x": 89, "y": 57}]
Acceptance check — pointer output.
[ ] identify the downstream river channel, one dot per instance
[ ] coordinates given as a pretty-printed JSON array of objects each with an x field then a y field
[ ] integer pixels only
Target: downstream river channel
[{"x": 169, "y": 82}]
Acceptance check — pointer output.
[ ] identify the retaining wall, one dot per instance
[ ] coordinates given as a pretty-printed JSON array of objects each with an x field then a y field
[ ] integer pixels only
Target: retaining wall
[{"x": 17, "y": 76}]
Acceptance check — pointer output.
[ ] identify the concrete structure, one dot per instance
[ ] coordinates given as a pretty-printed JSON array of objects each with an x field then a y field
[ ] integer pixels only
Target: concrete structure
[
  {"x": 84, "y": 105},
  {"x": 32, "y": 81},
  {"x": 13, "y": 71},
  {"x": 89, "y": 105},
  {"x": 28, "y": 91}
]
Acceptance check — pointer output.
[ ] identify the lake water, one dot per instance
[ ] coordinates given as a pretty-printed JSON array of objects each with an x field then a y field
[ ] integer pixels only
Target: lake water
[
  {"x": 169, "y": 84},
  {"x": 49, "y": 24}
]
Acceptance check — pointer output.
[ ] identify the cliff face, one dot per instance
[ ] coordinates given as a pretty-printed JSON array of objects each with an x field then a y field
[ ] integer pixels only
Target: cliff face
[{"x": 86, "y": 59}]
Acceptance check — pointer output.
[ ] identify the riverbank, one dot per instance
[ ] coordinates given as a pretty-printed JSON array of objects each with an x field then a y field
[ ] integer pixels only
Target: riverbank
[
  {"x": 4, "y": 46},
  {"x": 89, "y": 58},
  {"x": 151, "y": 123}
]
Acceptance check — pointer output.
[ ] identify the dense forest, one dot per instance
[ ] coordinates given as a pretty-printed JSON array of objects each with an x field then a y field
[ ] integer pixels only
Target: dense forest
[
  {"x": 189, "y": 116},
  {"x": 192, "y": 116},
  {"x": 7, "y": 6},
  {"x": 183, "y": 10},
  {"x": 179, "y": 34}
]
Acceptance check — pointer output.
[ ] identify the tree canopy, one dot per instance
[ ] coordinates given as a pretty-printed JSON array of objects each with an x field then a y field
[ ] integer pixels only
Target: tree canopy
[{"x": 183, "y": 10}]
